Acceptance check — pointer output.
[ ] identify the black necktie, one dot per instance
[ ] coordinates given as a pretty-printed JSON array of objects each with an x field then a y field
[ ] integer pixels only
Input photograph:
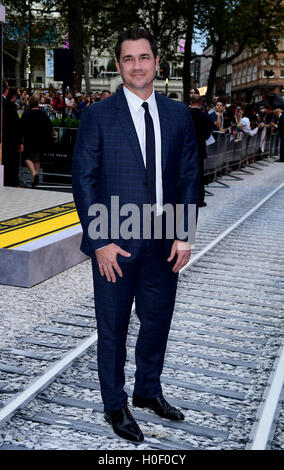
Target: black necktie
[{"x": 150, "y": 153}]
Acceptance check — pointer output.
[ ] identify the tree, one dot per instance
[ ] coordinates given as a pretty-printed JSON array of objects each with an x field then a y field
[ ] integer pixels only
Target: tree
[
  {"x": 231, "y": 26},
  {"x": 85, "y": 24},
  {"x": 75, "y": 30},
  {"x": 167, "y": 20},
  {"x": 24, "y": 28}
]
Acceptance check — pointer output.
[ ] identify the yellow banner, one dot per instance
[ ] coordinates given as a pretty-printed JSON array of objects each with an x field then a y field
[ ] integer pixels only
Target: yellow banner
[{"x": 21, "y": 230}]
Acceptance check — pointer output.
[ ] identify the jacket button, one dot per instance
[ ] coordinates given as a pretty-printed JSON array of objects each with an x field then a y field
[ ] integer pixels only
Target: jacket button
[{"x": 145, "y": 183}]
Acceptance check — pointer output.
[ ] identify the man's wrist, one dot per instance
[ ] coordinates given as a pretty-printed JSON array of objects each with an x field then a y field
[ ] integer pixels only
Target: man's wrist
[{"x": 183, "y": 246}]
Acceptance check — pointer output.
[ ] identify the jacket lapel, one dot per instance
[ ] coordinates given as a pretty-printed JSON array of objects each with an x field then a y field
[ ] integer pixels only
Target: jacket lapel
[
  {"x": 165, "y": 128},
  {"x": 127, "y": 124}
]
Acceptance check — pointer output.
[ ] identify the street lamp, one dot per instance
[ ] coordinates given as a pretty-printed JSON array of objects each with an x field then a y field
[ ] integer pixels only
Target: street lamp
[
  {"x": 268, "y": 74},
  {"x": 29, "y": 49}
]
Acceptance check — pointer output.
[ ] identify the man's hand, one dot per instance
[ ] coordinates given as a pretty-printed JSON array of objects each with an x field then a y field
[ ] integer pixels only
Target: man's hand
[
  {"x": 182, "y": 250},
  {"x": 107, "y": 260}
]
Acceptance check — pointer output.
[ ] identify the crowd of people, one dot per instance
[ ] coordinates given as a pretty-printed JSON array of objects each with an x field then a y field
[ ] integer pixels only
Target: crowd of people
[
  {"x": 27, "y": 127},
  {"x": 232, "y": 119},
  {"x": 52, "y": 101},
  {"x": 240, "y": 117}
]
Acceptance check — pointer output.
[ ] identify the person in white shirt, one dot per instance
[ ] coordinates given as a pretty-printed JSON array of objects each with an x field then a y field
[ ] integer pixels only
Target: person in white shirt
[{"x": 69, "y": 104}]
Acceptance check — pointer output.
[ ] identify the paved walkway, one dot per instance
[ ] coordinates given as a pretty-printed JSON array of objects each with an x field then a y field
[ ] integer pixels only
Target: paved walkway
[{"x": 19, "y": 201}]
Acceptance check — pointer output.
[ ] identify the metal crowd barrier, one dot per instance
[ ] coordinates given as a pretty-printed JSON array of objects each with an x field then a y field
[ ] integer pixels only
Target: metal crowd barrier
[
  {"x": 223, "y": 157},
  {"x": 241, "y": 152}
]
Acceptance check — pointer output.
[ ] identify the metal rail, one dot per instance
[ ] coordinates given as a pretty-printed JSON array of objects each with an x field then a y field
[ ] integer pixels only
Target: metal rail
[
  {"x": 260, "y": 437},
  {"x": 261, "y": 431},
  {"x": 41, "y": 382}
]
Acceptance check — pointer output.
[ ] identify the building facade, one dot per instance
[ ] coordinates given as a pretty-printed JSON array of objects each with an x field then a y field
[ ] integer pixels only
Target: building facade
[
  {"x": 256, "y": 77},
  {"x": 223, "y": 80}
]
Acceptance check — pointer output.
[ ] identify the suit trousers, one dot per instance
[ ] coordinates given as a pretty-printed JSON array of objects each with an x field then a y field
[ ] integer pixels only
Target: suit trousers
[
  {"x": 201, "y": 196},
  {"x": 150, "y": 280},
  {"x": 282, "y": 148}
]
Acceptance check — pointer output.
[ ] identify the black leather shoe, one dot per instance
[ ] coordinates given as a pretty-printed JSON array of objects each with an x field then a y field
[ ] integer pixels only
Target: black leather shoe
[
  {"x": 35, "y": 181},
  {"x": 202, "y": 204},
  {"x": 124, "y": 424},
  {"x": 159, "y": 405}
]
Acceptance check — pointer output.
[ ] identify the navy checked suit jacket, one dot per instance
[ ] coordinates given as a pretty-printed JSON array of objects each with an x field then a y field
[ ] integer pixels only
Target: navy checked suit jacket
[{"x": 107, "y": 161}]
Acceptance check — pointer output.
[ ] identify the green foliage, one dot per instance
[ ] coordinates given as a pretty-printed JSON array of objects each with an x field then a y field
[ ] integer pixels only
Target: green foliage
[
  {"x": 242, "y": 24},
  {"x": 232, "y": 26},
  {"x": 229, "y": 25},
  {"x": 26, "y": 24},
  {"x": 111, "y": 65},
  {"x": 68, "y": 122}
]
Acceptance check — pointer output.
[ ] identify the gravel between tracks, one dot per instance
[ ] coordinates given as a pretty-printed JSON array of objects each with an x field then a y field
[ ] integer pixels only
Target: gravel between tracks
[{"x": 23, "y": 309}]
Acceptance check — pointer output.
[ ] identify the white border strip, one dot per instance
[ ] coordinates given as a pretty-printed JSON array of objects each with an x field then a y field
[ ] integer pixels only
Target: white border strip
[
  {"x": 211, "y": 245},
  {"x": 45, "y": 379},
  {"x": 260, "y": 434}
]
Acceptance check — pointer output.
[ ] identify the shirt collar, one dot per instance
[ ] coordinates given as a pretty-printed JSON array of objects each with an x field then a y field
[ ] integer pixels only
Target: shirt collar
[{"x": 135, "y": 102}]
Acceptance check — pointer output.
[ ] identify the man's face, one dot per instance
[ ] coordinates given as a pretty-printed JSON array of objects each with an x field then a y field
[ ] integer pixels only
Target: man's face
[
  {"x": 219, "y": 107},
  {"x": 137, "y": 65}
]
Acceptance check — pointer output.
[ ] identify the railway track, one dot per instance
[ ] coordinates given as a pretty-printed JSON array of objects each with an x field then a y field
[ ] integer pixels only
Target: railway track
[{"x": 224, "y": 360}]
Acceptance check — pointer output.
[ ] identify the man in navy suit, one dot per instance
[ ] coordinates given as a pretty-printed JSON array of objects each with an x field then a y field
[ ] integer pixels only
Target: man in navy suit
[{"x": 137, "y": 147}]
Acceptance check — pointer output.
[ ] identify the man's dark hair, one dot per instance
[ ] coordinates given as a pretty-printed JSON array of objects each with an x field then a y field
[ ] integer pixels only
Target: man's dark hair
[
  {"x": 196, "y": 91},
  {"x": 11, "y": 93},
  {"x": 5, "y": 85},
  {"x": 195, "y": 99},
  {"x": 134, "y": 34}
]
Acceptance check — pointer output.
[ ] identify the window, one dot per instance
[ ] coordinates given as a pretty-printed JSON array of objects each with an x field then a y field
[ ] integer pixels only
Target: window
[
  {"x": 249, "y": 74},
  {"x": 264, "y": 75},
  {"x": 228, "y": 87},
  {"x": 282, "y": 62},
  {"x": 254, "y": 76},
  {"x": 239, "y": 77},
  {"x": 244, "y": 75},
  {"x": 272, "y": 61},
  {"x": 282, "y": 73},
  {"x": 264, "y": 62}
]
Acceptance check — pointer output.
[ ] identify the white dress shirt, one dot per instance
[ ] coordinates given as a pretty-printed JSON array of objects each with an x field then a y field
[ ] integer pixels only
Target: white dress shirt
[
  {"x": 137, "y": 113},
  {"x": 246, "y": 123}
]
